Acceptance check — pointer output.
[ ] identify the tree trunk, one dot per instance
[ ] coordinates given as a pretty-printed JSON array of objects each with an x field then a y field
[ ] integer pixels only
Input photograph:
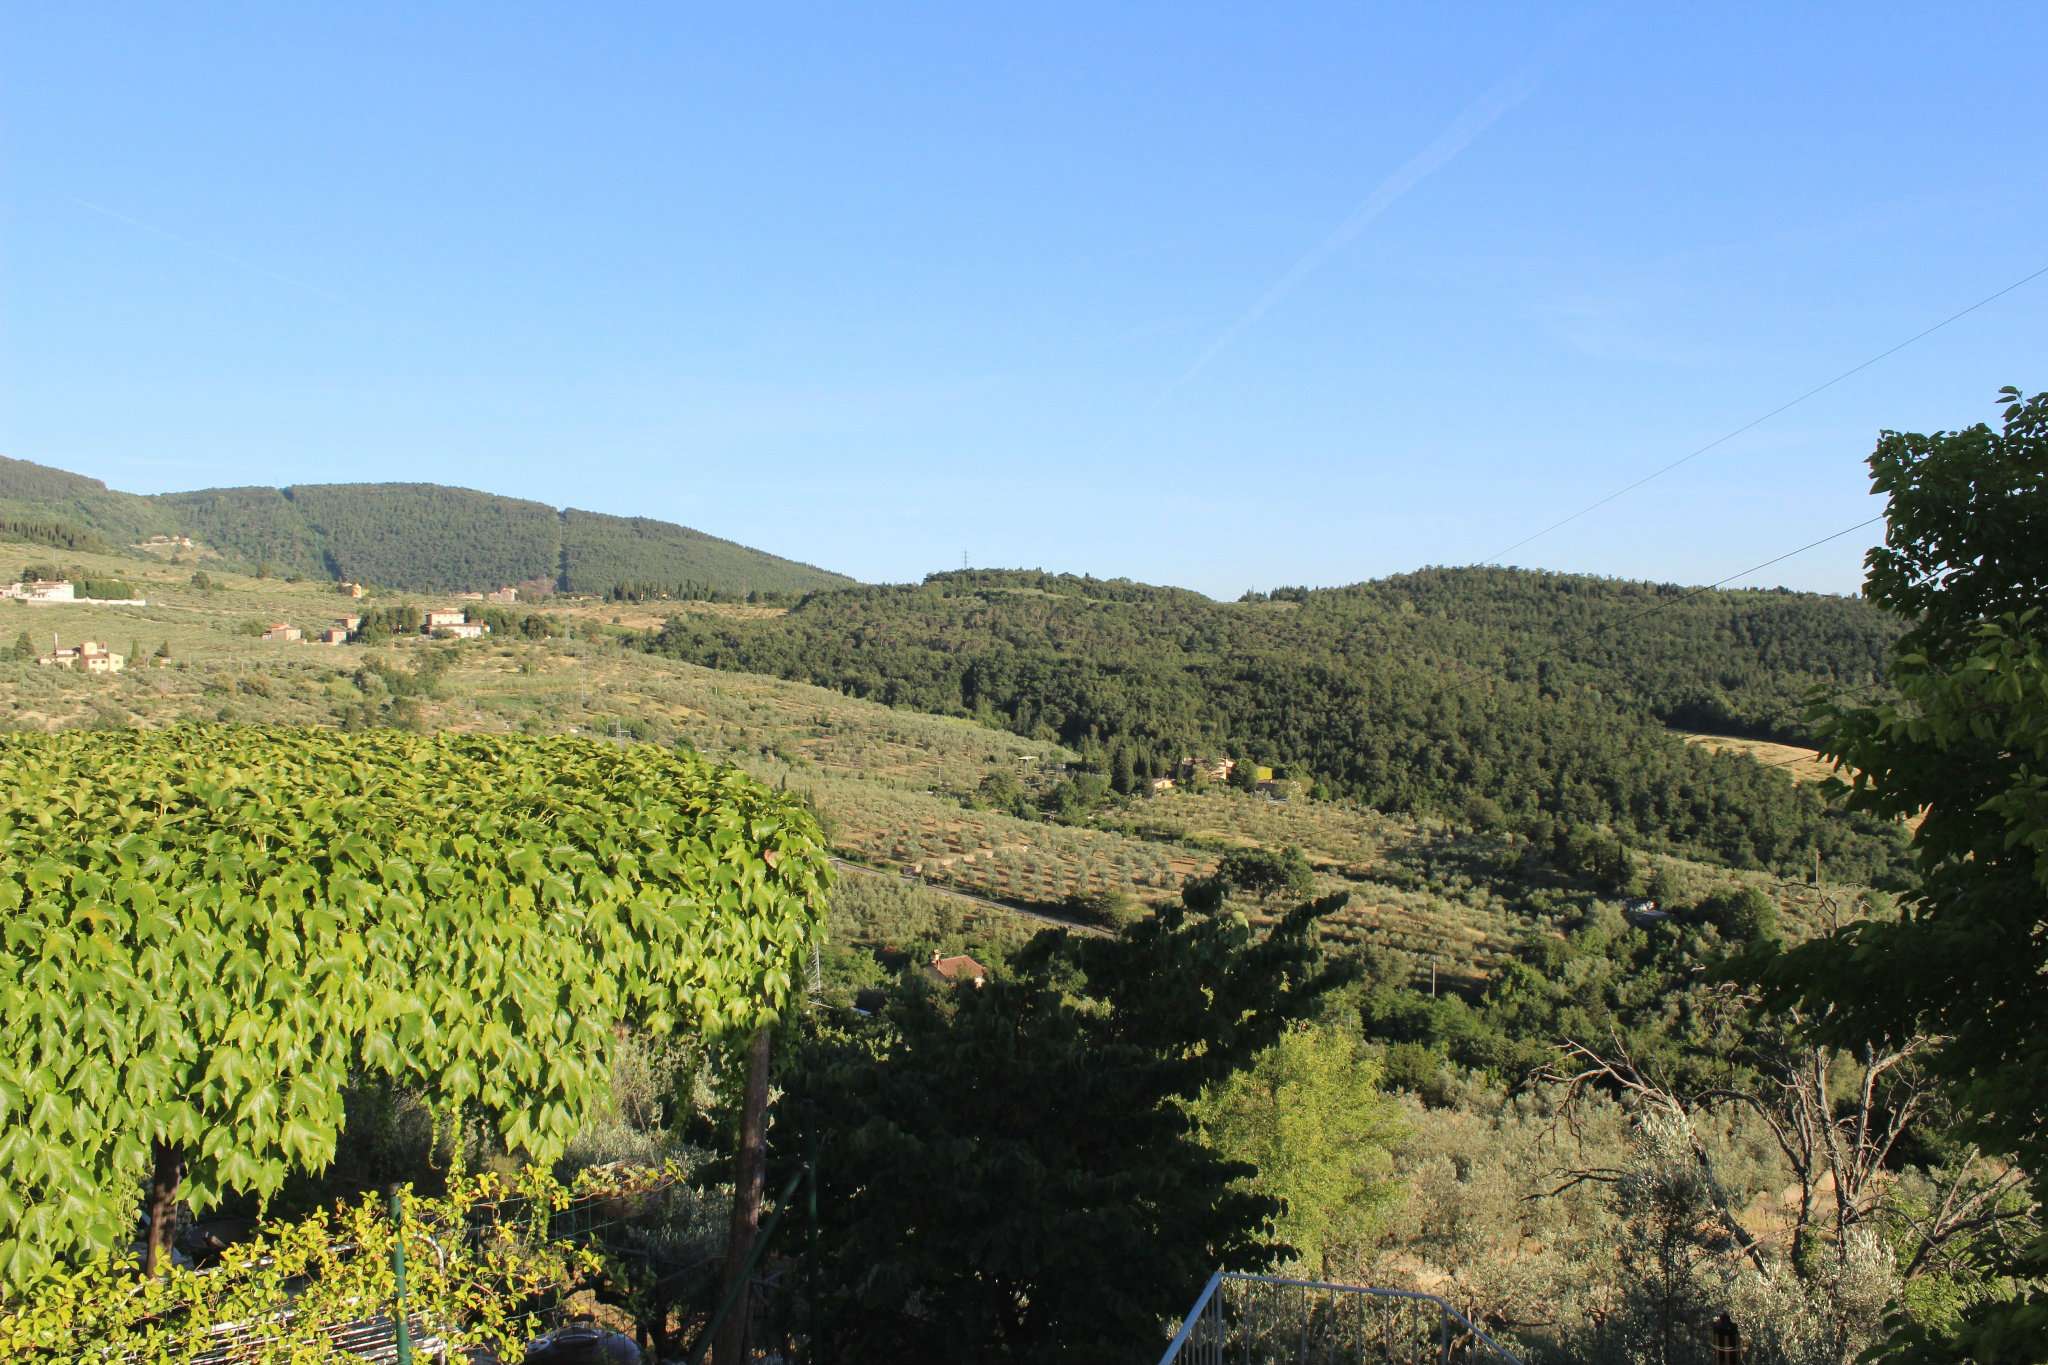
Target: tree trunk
[
  {"x": 163, "y": 1207},
  {"x": 731, "y": 1346}
]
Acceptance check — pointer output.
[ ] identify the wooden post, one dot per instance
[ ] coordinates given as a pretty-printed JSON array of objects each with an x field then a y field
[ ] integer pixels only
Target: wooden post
[
  {"x": 164, "y": 1180},
  {"x": 731, "y": 1346}
]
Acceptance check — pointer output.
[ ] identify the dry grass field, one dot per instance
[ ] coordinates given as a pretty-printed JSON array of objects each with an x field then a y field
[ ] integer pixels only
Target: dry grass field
[{"x": 1803, "y": 765}]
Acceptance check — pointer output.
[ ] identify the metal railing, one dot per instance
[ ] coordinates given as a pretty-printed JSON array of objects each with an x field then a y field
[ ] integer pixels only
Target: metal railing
[
  {"x": 1264, "y": 1320},
  {"x": 587, "y": 1221}
]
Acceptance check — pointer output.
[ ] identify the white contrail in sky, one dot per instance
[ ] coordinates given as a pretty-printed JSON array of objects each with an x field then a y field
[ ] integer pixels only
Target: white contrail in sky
[
  {"x": 195, "y": 245},
  {"x": 1462, "y": 131}
]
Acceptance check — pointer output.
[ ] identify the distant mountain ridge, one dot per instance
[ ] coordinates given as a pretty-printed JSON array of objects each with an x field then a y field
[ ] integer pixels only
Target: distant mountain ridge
[{"x": 419, "y": 536}]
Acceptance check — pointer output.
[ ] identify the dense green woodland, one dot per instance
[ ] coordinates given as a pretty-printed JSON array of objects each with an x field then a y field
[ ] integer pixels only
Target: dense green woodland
[
  {"x": 418, "y": 536},
  {"x": 47, "y": 531},
  {"x": 1549, "y": 696},
  {"x": 1713, "y": 1147}
]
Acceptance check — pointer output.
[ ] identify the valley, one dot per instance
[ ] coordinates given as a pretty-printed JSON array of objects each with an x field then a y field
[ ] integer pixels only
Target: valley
[
  {"x": 1420, "y": 898},
  {"x": 800, "y": 686},
  {"x": 896, "y": 789}
]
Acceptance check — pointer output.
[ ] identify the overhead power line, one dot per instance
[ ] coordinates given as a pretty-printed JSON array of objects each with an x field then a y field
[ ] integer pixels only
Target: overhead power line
[
  {"x": 1754, "y": 423},
  {"x": 1616, "y": 623},
  {"x": 1754, "y": 568}
]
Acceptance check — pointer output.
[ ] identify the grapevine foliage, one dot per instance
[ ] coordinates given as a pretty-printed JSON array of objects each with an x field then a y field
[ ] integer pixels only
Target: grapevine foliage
[
  {"x": 207, "y": 930},
  {"x": 476, "y": 1259}
]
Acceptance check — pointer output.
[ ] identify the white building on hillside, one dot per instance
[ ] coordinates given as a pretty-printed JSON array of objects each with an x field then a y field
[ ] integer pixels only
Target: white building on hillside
[{"x": 92, "y": 656}]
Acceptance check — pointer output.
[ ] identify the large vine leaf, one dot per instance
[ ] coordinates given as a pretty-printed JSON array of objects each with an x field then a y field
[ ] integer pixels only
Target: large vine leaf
[{"x": 206, "y": 930}]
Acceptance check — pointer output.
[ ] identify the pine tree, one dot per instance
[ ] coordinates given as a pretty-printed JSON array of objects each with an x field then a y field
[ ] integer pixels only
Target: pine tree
[{"x": 924, "y": 1105}]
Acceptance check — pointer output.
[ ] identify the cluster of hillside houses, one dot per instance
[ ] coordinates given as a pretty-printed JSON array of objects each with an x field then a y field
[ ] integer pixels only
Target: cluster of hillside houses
[
  {"x": 339, "y": 633},
  {"x": 1219, "y": 770},
  {"x": 453, "y": 622},
  {"x": 447, "y": 623},
  {"x": 88, "y": 656},
  {"x": 40, "y": 590},
  {"x": 43, "y": 591}
]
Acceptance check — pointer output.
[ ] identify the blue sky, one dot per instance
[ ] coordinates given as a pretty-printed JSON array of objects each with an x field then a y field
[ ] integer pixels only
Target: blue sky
[{"x": 1223, "y": 297}]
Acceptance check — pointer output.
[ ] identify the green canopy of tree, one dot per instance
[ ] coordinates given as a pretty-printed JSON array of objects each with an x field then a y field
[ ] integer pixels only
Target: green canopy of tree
[
  {"x": 601, "y": 551},
  {"x": 1965, "y": 746},
  {"x": 1310, "y": 1116},
  {"x": 209, "y": 931},
  {"x": 46, "y": 531},
  {"x": 1012, "y": 1173},
  {"x": 1263, "y": 873}
]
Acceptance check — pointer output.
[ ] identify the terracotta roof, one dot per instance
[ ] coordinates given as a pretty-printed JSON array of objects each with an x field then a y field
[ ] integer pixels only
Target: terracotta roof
[{"x": 957, "y": 969}]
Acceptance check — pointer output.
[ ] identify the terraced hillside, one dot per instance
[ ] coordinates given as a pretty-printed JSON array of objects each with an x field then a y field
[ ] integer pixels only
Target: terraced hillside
[{"x": 897, "y": 789}]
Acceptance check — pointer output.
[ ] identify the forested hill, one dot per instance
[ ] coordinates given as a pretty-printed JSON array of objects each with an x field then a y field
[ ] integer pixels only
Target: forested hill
[
  {"x": 401, "y": 535},
  {"x": 1731, "y": 662},
  {"x": 1534, "y": 695}
]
